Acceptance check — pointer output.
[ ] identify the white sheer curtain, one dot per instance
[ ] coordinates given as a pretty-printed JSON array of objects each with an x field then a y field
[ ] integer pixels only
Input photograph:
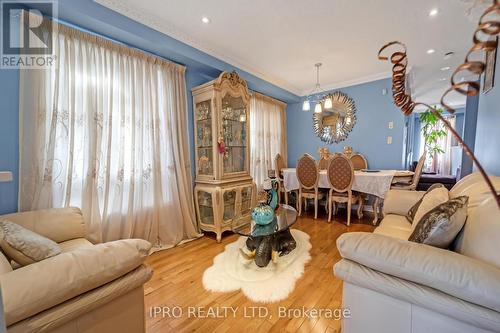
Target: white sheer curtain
[
  {"x": 443, "y": 161},
  {"x": 106, "y": 131},
  {"x": 267, "y": 135}
]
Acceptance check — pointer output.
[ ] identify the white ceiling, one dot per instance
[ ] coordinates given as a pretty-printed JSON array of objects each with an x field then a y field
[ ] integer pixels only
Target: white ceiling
[{"x": 281, "y": 40}]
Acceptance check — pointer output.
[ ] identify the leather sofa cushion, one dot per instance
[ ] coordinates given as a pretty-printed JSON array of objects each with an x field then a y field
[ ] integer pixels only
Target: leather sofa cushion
[
  {"x": 83, "y": 304},
  {"x": 421, "y": 295},
  {"x": 464, "y": 183},
  {"x": 475, "y": 188},
  {"x": 452, "y": 273},
  {"x": 393, "y": 232},
  {"x": 58, "y": 224},
  {"x": 42, "y": 285},
  {"x": 5, "y": 266},
  {"x": 480, "y": 237},
  {"x": 75, "y": 244},
  {"x": 399, "y": 202},
  {"x": 396, "y": 226},
  {"x": 395, "y": 221}
]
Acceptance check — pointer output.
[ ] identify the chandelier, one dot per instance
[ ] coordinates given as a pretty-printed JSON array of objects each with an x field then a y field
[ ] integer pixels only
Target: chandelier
[{"x": 317, "y": 96}]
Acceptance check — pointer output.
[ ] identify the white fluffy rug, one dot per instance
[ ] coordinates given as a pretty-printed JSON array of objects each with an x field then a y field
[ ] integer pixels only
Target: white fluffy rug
[{"x": 231, "y": 271}]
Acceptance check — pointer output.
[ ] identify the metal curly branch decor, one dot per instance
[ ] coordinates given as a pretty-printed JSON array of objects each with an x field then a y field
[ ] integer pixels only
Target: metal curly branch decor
[{"x": 487, "y": 28}]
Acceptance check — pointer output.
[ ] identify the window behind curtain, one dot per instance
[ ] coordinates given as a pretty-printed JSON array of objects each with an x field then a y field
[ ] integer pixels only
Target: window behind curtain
[
  {"x": 105, "y": 131},
  {"x": 267, "y": 135}
]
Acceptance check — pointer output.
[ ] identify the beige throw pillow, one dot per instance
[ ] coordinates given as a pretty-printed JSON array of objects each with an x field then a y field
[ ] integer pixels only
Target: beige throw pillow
[
  {"x": 24, "y": 246},
  {"x": 441, "y": 225},
  {"x": 430, "y": 200},
  {"x": 413, "y": 210}
]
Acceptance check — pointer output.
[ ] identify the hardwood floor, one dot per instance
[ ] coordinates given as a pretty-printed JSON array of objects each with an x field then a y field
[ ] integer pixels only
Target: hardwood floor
[{"x": 176, "y": 287}]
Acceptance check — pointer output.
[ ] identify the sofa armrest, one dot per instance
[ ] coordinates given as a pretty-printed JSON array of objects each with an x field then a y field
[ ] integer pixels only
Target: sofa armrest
[
  {"x": 57, "y": 224},
  {"x": 42, "y": 285},
  {"x": 452, "y": 273},
  {"x": 399, "y": 202},
  {"x": 87, "y": 302}
]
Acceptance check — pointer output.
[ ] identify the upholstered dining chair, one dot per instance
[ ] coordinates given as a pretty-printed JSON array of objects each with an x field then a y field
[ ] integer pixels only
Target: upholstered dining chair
[
  {"x": 341, "y": 176},
  {"x": 308, "y": 176},
  {"x": 323, "y": 162},
  {"x": 359, "y": 162},
  {"x": 412, "y": 185}
]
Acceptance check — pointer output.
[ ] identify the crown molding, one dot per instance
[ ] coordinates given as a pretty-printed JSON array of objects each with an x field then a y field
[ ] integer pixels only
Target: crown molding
[
  {"x": 349, "y": 83},
  {"x": 169, "y": 30}
]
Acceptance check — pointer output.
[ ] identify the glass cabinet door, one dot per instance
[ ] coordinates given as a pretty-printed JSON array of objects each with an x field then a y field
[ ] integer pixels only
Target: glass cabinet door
[
  {"x": 229, "y": 198},
  {"x": 205, "y": 207},
  {"x": 204, "y": 144},
  {"x": 234, "y": 129},
  {"x": 246, "y": 200}
]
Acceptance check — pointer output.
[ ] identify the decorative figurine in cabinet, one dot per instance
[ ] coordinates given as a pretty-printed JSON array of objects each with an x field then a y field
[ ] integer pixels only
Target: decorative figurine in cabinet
[{"x": 224, "y": 191}]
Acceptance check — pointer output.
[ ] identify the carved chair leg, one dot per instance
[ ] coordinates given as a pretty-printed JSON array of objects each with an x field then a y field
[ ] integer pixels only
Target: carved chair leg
[
  {"x": 360, "y": 209},
  {"x": 349, "y": 204},
  {"x": 361, "y": 206},
  {"x": 316, "y": 207},
  {"x": 299, "y": 203},
  {"x": 329, "y": 209}
]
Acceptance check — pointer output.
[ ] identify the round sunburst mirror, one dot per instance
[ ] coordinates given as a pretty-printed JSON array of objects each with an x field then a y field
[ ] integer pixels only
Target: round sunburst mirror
[{"x": 334, "y": 124}]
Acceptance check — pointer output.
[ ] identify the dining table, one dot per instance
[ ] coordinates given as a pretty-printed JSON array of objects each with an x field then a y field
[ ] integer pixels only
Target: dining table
[{"x": 372, "y": 182}]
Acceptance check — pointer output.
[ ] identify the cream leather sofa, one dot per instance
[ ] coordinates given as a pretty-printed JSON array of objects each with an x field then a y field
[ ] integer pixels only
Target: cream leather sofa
[
  {"x": 87, "y": 288},
  {"x": 392, "y": 285}
]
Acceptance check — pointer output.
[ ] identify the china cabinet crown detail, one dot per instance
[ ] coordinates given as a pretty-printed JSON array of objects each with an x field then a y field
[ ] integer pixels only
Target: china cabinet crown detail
[{"x": 224, "y": 190}]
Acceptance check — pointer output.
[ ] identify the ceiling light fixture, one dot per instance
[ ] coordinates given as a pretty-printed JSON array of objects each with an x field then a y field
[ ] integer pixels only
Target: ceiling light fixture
[
  {"x": 430, "y": 51},
  {"x": 444, "y": 69},
  {"x": 205, "y": 20},
  {"x": 442, "y": 79},
  {"x": 433, "y": 12},
  {"x": 321, "y": 101},
  {"x": 448, "y": 55}
]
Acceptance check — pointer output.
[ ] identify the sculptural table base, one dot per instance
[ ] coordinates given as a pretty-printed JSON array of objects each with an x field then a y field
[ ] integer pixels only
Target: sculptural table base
[{"x": 266, "y": 248}]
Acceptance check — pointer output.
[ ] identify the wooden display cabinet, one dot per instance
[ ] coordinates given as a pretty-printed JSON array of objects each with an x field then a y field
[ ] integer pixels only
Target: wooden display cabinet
[{"x": 224, "y": 191}]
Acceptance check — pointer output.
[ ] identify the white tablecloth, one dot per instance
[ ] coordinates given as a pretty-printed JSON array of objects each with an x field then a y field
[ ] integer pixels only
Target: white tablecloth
[{"x": 374, "y": 183}]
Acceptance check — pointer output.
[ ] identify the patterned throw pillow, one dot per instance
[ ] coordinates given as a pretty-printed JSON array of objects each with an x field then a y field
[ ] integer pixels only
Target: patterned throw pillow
[
  {"x": 413, "y": 210},
  {"x": 24, "y": 246},
  {"x": 441, "y": 225}
]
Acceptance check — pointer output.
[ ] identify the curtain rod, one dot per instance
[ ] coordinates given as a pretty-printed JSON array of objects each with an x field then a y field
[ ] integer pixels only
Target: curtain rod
[{"x": 69, "y": 25}]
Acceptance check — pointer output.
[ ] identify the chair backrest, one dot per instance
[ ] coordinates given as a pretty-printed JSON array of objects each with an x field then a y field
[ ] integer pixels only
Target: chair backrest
[
  {"x": 279, "y": 164},
  {"x": 359, "y": 162},
  {"x": 323, "y": 163},
  {"x": 340, "y": 173},
  {"x": 418, "y": 171},
  {"x": 307, "y": 172}
]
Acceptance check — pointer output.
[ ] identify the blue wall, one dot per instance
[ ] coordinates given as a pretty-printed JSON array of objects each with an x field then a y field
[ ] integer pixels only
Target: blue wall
[
  {"x": 487, "y": 145},
  {"x": 90, "y": 16},
  {"x": 9, "y": 137},
  {"x": 469, "y": 134},
  {"x": 369, "y": 136}
]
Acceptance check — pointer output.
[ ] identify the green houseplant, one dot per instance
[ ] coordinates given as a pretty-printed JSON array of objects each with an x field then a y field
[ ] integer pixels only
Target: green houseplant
[{"x": 432, "y": 131}]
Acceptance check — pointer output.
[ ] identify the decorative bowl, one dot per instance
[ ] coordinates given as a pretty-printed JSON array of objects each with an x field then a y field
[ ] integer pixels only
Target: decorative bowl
[{"x": 263, "y": 214}]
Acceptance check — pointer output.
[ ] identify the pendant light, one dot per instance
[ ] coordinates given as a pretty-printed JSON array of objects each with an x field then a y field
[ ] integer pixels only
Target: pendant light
[
  {"x": 328, "y": 103},
  {"x": 318, "y": 108},
  {"x": 306, "y": 106}
]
